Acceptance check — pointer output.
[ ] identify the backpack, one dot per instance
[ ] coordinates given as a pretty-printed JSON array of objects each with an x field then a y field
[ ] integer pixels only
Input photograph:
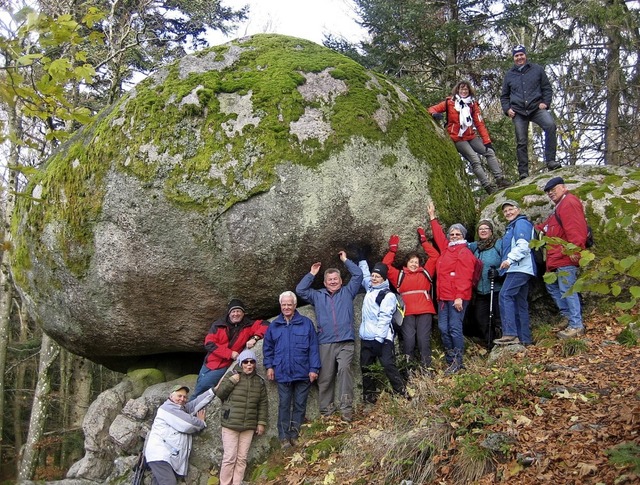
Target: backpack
[
  {"x": 589, "y": 243},
  {"x": 426, "y": 275},
  {"x": 398, "y": 314},
  {"x": 539, "y": 254},
  {"x": 477, "y": 271}
]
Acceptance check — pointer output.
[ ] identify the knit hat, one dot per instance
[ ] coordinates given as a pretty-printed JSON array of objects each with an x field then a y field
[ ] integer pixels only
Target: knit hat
[
  {"x": 518, "y": 48},
  {"x": 235, "y": 304},
  {"x": 246, "y": 354},
  {"x": 177, "y": 387},
  {"x": 381, "y": 269},
  {"x": 459, "y": 227},
  {"x": 510, "y": 202},
  {"x": 553, "y": 182},
  {"x": 486, "y": 222}
]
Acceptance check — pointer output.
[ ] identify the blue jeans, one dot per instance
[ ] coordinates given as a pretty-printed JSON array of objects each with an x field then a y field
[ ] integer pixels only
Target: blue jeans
[
  {"x": 569, "y": 305},
  {"x": 207, "y": 378},
  {"x": 292, "y": 404},
  {"x": 514, "y": 307},
  {"x": 450, "y": 325},
  {"x": 544, "y": 120}
]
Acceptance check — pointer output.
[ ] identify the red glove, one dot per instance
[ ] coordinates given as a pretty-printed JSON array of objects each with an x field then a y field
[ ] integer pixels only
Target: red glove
[
  {"x": 421, "y": 235},
  {"x": 393, "y": 243}
]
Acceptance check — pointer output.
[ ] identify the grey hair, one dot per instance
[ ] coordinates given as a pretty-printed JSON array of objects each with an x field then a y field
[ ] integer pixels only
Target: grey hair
[{"x": 288, "y": 293}]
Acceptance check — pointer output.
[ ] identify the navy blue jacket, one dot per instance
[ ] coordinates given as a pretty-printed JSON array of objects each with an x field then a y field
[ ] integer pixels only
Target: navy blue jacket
[
  {"x": 291, "y": 349},
  {"x": 523, "y": 90},
  {"x": 334, "y": 312}
]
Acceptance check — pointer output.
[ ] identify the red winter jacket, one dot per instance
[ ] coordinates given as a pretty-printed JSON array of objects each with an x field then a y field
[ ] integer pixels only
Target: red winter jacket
[
  {"x": 455, "y": 267},
  {"x": 415, "y": 287},
  {"x": 573, "y": 230},
  {"x": 453, "y": 121},
  {"x": 224, "y": 338}
]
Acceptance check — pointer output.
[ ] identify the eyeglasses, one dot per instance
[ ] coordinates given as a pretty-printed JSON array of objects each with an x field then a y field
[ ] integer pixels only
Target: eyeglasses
[
  {"x": 483, "y": 229},
  {"x": 249, "y": 361}
]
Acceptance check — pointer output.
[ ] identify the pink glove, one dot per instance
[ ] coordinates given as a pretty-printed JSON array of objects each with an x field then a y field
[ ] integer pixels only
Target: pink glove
[
  {"x": 421, "y": 235},
  {"x": 393, "y": 243}
]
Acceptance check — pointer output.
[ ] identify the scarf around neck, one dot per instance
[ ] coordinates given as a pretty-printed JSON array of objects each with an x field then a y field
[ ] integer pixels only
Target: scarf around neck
[{"x": 463, "y": 106}]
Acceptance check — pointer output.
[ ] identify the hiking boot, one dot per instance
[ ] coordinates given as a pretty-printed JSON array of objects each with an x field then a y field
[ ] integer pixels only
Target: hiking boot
[
  {"x": 490, "y": 189},
  {"x": 346, "y": 418},
  {"x": 554, "y": 166},
  {"x": 561, "y": 325},
  {"x": 523, "y": 176},
  {"x": 507, "y": 340},
  {"x": 571, "y": 333},
  {"x": 294, "y": 441},
  {"x": 503, "y": 183},
  {"x": 285, "y": 444}
]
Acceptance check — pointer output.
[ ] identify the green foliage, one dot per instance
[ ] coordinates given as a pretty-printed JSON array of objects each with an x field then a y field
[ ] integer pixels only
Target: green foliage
[
  {"x": 39, "y": 75},
  {"x": 628, "y": 337},
  {"x": 625, "y": 455},
  {"x": 573, "y": 347},
  {"x": 475, "y": 398}
]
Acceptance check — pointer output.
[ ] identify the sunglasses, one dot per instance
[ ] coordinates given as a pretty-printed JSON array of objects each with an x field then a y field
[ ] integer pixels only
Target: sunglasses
[{"x": 249, "y": 361}]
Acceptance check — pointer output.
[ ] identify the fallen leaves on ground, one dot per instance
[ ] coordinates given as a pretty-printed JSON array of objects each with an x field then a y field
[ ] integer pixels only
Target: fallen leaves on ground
[{"x": 592, "y": 404}]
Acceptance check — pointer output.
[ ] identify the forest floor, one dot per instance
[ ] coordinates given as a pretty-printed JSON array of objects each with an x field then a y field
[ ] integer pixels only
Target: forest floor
[{"x": 557, "y": 412}]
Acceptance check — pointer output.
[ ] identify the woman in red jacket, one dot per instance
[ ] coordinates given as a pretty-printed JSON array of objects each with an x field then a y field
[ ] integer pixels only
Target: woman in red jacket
[
  {"x": 414, "y": 283},
  {"x": 464, "y": 124},
  {"x": 455, "y": 269}
]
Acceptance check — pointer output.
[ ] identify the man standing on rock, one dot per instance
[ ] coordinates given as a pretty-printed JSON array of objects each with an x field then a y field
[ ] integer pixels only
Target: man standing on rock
[
  {"x": 224, "y": 342},
  {"x": 168, "y": 445},
  {"x": 526, "y": 98},
  {"x": 566, "y": 222},
  {"x": 334, "y": 319},
  {"x": 292, "y": 359}
]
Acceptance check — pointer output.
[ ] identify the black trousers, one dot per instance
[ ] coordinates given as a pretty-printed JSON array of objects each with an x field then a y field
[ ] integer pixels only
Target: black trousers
[
  {"x": 370, "y": 352},
  {"x": 482, "y": 313}
]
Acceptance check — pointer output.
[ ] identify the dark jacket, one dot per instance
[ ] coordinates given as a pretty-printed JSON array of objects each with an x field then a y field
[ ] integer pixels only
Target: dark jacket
[
  {"x": 291, "y": 349},
  {"x": 334, "y": 312},
  {"x": 245, "y": 404},
  {"x": 523, "y": 90},
  {"x": 573, "y": 229},
  {"x": 224, "y": 338},
  {"x": 453, "y": 121}
]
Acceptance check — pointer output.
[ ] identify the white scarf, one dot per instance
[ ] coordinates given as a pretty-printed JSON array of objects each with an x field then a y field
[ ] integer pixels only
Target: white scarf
[{"x": 463, "y": 106}]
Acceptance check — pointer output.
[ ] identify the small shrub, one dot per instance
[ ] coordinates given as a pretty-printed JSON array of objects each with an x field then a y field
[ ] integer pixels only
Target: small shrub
[
  {"x": 573, "y": 346},
  {"x": 627, "y": 337},
  {"x": 625, "y": 455}
]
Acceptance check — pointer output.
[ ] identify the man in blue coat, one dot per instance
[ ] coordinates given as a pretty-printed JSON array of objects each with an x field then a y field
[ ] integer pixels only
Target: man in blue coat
[
  {"x": 526, "y": 98},
  {"x": 334, "y": 317},
  {"x": 292, "y": 359}
]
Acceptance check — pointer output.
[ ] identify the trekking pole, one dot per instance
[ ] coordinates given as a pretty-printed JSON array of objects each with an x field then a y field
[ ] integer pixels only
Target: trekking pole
[
  {"x": 140, "y": 467},
  {"x": 492, "y": 278}
]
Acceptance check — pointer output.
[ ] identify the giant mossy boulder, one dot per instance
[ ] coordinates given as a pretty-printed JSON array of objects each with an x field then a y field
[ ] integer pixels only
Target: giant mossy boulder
[{"x": 223, "y": 175}]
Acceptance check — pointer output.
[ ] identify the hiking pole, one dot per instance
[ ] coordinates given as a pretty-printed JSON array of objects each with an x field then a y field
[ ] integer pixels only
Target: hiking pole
[
  {"x": 492, "y": 279},
  {"x": 140, "y": 467}
]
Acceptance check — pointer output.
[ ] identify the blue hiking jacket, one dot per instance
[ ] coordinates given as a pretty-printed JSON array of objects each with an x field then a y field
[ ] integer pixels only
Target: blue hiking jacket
[
  {"x": 291, "y": 348},
  {"x": 334, "y": 312}
]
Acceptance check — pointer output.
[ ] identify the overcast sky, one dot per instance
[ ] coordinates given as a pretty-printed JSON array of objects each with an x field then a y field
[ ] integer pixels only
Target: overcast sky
[{"x": 308, "y": 19}]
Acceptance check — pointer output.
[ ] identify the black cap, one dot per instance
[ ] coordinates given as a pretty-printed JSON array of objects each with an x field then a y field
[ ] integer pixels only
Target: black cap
[
  {"x": 235, "y": 304},
  {"x": 553, "y": 182},
  {"x": 518, "y": 48},
  {"x": 381, "y": 269}
]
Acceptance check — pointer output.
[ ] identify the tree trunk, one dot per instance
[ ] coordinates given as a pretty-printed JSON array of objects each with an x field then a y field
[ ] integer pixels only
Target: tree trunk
[
  {"x": 6, "y": 284},
  {"x": 19, "y": 394},
  {"x": 612, "y": 121},
  {"x": 49, "y": 350}
]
